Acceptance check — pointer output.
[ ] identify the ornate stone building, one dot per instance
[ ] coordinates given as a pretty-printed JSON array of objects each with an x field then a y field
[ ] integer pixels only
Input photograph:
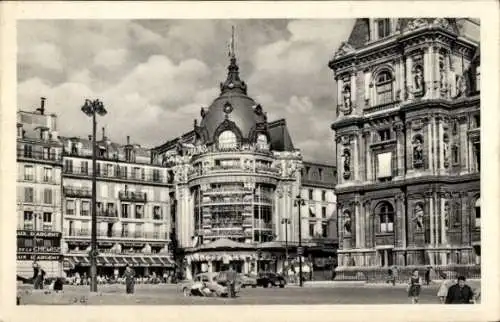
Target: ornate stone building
[
  {"x": 408, "y": 143},
  {"x": 236, "y": 177},
  {"x": 39, "y": 220}
]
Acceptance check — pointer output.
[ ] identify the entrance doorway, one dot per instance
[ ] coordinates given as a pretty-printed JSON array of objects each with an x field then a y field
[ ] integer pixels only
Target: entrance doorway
[{"x": 386, "y": 257}]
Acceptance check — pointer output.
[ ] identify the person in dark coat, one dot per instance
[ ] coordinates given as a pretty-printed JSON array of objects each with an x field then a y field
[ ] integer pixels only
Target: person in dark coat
[
  {"x": 428, "y": 275},
  {"x": 36, "y": 269},
  {"x": 231, "y": 279},
  {"x": 460, "y": 293},
  {"x": 129, "y": 276}
]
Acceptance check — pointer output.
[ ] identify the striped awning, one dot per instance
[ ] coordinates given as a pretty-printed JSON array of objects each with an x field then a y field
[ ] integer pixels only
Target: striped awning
[{"x": 119, "y": 261}]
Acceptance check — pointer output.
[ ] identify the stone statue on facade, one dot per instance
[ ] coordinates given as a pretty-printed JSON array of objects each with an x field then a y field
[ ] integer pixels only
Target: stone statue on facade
[
  {"x": 347, "y": 222},
  {"x": 446, "y": 215},
  {"x": 347, "y": 109},
  {"x": 418, "y": 79},
  {"x": 461, "y": 86},
  {"x": 418, "y": 217},
  {"x": 347, "y": 164},
  {"x": 418, "y": 153}
]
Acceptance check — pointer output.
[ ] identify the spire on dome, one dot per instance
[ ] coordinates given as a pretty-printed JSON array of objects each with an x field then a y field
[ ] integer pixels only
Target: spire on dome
[{"x": 233, "y": 81}]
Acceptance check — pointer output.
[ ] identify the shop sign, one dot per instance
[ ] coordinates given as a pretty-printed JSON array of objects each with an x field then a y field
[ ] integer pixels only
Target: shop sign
[
  {"x": 39, "y": 249},
  {"x": 40, "y": 234},
  {"x": 24, "y": 257}
]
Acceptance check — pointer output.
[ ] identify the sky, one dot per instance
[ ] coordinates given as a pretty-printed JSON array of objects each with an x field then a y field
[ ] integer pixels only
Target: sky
[{"x": 154, "y": 75}]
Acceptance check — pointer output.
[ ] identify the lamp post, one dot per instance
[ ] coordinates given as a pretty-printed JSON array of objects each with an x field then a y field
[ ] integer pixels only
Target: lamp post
[
  {"x": 299, "y": 202},
  {"x": 91, "y": 109},
  {"x": 285, "y": 222}
]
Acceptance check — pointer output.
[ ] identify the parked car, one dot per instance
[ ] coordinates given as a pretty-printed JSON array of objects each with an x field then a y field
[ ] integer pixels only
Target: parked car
[
  {"x": 206, "y": 284},
  {"x": 269, "y": 279},
  {"x": 247, "y": 280}
]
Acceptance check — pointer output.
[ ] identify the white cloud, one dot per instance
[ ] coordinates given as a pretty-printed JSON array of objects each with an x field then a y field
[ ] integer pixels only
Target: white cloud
[
  {"x": 110, "y": 58},
  {"x": 43, "y": 55}
]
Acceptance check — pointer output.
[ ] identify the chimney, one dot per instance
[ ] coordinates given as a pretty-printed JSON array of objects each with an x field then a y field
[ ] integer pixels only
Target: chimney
[
  {"x": 103, "y": 133},
  {"x": 42, "y": 105},
  {"x": 128, "y": 139},
  {"x": 90, "y": 137}
]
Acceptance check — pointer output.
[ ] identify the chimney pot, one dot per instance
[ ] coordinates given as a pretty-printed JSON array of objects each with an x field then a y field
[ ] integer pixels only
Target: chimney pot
[
  {"x": 128, "y": 139},
  {"x": 90, "y": 137},
  {"x": 103, "y": 133},
  {"x": 42, "y": 105}
]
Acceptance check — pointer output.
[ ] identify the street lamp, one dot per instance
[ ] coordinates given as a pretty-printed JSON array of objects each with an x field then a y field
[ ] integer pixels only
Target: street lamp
[
  {"x": 299, "y": 202},
  {"x": 286, "y": 221},
  {"x": 91, "y": 109}
]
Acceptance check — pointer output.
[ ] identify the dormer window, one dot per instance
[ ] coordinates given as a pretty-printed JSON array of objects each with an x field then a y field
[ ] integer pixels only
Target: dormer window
[
  {"x": 261, "y": 141},
  {"x": 227, "y": 140},
  {"x": 129, "y": 154},
  {"x": 44, "y": 134},
  {"x": 383, "y": 28},
  {"x": 74, "y": 148}
]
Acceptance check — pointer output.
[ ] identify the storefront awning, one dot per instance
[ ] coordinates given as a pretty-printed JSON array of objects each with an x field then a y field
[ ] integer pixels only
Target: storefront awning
[{"x": 119, "y": 261}]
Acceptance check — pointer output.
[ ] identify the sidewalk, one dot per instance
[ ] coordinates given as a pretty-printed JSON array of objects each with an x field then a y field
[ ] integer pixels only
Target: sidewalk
[{"x": 474, "y": 283}]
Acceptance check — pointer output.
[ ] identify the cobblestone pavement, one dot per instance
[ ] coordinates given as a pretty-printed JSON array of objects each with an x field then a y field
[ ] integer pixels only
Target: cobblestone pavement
[{"x": 171, "y": 295}]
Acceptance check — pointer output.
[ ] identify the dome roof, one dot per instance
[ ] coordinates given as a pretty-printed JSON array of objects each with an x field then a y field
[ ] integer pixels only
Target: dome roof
[{"x": 233, "y": 109}]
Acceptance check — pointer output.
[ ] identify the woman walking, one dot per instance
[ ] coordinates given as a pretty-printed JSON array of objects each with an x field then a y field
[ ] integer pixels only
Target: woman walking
[
  {"x": 414, "y": 286},
  {"x": 443, "y": 289},
  {"x": 129, "y": 280}
]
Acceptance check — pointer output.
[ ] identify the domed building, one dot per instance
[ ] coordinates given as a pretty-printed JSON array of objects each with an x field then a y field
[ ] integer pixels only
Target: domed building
[{"x": 235, "y": 178}]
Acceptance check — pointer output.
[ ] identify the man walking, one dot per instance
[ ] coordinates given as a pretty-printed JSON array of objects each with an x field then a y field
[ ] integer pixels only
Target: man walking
[{"x": 460, "y": 293}]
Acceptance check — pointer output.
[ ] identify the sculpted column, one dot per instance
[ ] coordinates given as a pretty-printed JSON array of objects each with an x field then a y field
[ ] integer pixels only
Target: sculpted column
[
  {"x": 355, "y": 158},
  {"x": 362, "y": 155},
  {"x": 366, "y": 227},
  {"x": 463, "y": 148},
  {"x": 368, "y": 156}
]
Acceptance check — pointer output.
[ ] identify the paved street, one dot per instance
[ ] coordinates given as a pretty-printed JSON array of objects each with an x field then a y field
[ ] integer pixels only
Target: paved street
[{"x": 171, "y": 295}]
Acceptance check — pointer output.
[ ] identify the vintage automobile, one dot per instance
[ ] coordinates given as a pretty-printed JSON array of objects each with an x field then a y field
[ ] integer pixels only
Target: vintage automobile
[
  {"x": 270, "y": 279},
  {"x": 207, "y": 284},
  {"x": 247, "y": 280}
]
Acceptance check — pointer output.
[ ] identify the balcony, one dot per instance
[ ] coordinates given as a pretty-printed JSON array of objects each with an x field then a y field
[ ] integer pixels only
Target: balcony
[
  {"x": 113, "y": 175},
  {"x": 236, "y": 232},
  {"x": 132, "y": 196},
  {"x": 233, "y": 167},
  {"x": 384, "y": 239},
  {"x": 85, "y": 233},
  {"x": 38, "y": 155},
  {"x": 107, "y": 214},
  {"x": 77, "y": 192}
]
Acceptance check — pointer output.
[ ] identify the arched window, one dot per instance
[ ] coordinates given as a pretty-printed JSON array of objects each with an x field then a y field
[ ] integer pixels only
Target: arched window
[
  {"x": 227, "y": 140},
  {"x": 384, "y": 88},
  {"x": 386, "y": 216},
  {"x": 477, "y": 212}
]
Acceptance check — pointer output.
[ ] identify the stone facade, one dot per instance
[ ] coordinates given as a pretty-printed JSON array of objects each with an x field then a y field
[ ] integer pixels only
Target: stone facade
[{"x": 407, "y": 141}]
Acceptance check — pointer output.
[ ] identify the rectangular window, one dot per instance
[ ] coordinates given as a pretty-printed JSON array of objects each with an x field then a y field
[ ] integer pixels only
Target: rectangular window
[
  {"x": 68, "y": 166},
  {"x": 47, "y": 218},
  {"x": 70, "y": 207},
  {"x": 47, "y": 174},
  {"x": 323, "y": 212},
  {"x": 156, "y": 231},
  {"x": 139, "y": 212},
  {"x": 478, "y": 78},
  {"x": 110, "y": 209},
  {"x": 47, "y": 196},
  {"x": 124, "y": 230},
  {"x": 143, "y": 174},
  {"x": 324, "y": 230},
  {"x": 156, "y": 175},
  {"x": 46, "y": 153},
  {"x": 123, "y": 172},
  {"x": 384, "y": 165},
  {"x": 28, "y": 194},
  {"x": 28, "y": 173},
  {"x": 84, "y": 167},
  {"x": 125, "y": 210},
  {"x": 136, "y": 173},
  {"x": 109, "y": 170},
  {"x": 157, "y": 213},
  {"x": 28, "y": 220},
  {"x": 384, "y": 28},
  {"x": 85, "y": 209},
  {"x": 311, "y": 229},
  {"x": 323, "y": 195},
  {"x": 28, "y": 151},
  {"x": 98, "y": 169},
  {"x": 384, "y": 135},
  {"x": 311, "y": 194}
]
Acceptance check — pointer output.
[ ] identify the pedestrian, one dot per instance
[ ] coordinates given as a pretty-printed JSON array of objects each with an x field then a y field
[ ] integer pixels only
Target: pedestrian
[
  {"x": 231, "y": 278},
  {"x": 443, "y": 289},
  {"x": 36, "y": 270},
  {"x": 414, "y": 286},
  {"x": 428, "y": 275},
  {"x": 129, "y": 276},
  {"x": 460, "y": 293}
]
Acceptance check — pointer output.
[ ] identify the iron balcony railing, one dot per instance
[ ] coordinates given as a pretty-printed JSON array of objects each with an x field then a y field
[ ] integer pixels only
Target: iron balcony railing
[
  {"x": 103, "y": 173},
  {"x": 132, "y": 196},
  {"x": 85, "y": 233},
  {"x": 39, "y": 155},
  {"x": 77, "y": 192}
]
